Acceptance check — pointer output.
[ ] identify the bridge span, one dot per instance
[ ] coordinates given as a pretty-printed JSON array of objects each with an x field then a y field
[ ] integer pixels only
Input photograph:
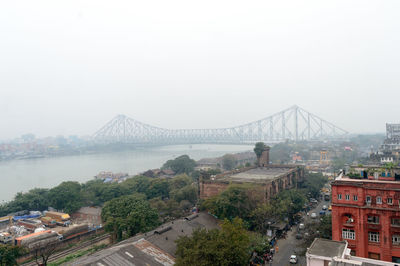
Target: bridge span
[{"x": 293, "y": 123}]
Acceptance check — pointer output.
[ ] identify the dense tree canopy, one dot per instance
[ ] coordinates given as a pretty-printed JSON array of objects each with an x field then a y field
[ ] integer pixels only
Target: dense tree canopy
[
  {"x": 236, "y": 201},
  {"x": 313, "y": 183},
  {"x": 228, "y": 246},
  {"x": 180, "y": 165},
  {"x": 70, "y": 196},
  {"x": 247, "y": 202},
  {"x": 9, "y": 254},
  {"x": 66, "y": 196},
  {"x": 228, "y": 161},
  {"x": 128, "y": 215}
]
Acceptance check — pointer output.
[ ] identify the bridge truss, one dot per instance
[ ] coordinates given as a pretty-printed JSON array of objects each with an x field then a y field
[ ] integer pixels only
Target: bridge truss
[{"x": 293, "y": 123}]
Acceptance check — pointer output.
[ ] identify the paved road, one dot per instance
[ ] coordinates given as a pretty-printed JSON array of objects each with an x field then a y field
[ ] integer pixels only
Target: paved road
[{"x": 289, "y": 246}]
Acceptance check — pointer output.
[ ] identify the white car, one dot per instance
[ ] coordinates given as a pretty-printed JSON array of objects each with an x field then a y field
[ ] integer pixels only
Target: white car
[
  {"x": 293, "y": 259},
  {"x": 313, "y": 215},
  {"x": 324, "y": 207}
]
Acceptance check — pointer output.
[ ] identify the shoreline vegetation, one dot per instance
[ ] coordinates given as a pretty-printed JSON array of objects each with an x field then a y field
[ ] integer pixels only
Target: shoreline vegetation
[
  {"x": 69, "y": 195},
  {"x": 141, "y": 203}
]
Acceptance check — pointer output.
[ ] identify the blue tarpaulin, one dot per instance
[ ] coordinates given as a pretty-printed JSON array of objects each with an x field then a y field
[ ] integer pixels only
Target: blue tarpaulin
[{"x": 16, "y": 218}]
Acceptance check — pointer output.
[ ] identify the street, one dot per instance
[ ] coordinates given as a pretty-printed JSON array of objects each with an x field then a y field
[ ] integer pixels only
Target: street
[{"x": 289, "y": 246}]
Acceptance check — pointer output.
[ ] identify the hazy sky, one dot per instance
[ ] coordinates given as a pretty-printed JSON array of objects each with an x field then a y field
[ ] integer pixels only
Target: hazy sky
[{"x": 67, "y": 67}]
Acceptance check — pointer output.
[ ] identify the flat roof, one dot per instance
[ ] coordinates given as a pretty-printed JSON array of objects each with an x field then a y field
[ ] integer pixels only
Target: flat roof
[
  {"x": 355, "y": 180},
  {"x": 259, "y": 174},
  {"x": 327, "y": 248},
  {"x": 154, "y": 248},
  {"x": 33, "y": 234}
]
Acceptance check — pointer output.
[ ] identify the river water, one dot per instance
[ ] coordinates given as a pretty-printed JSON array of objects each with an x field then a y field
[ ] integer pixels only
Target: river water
[{"x": 22, "y": 175}]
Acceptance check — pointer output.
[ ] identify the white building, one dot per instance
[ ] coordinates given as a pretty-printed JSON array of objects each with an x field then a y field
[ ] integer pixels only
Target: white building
[{"x": 324, "y": 252}]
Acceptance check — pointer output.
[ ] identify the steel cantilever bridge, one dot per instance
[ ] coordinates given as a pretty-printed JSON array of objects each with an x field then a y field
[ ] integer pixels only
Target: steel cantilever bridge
[{"x": 293, "y": 123}]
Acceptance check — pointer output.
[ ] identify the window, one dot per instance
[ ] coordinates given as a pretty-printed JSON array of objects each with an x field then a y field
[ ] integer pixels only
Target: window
[
  {"x": 348, "y": 234},
  {"x": 368, "y": 199},
  {"x": 396, "y": 239},
  {"x": 374, "y": 256},
  {"x": 396, "y": 221},
  {"x": 347, "y": 196},
  {"x": 389, "y": 201},
  {"x": 339, "y": 196},
  {"x": 355, "y": 197},
  {"x": 373, "y": 237},
  {"x": 373, "y": 219},
  {"x": 378, "y": 200}
]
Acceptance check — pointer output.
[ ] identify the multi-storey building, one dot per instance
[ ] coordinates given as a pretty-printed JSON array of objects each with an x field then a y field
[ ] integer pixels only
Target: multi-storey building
[
  {"x": 366, "y": 212},
  {"x": 389, "y": 152}
]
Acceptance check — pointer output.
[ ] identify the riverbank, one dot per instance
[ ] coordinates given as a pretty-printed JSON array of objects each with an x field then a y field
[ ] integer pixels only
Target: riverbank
[{"x": 23, "y": 175}]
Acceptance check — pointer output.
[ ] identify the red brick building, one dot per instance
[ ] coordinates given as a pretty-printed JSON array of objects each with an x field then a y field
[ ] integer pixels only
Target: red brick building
[{"x": 366, "y": 212}]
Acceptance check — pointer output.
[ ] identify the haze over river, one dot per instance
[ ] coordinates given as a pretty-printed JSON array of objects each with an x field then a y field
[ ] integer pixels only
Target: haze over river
[{"x": 22, "y": 175}]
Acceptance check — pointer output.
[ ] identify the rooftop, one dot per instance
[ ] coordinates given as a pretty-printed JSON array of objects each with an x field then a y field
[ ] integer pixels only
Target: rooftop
[
  {"x": 128, "y": 254},
  {"x": 156, "y": 247},
  {"x": 366, "y": 181},
  {"x": 259, "y": 174},
  {"x": 327, "y": 248}
]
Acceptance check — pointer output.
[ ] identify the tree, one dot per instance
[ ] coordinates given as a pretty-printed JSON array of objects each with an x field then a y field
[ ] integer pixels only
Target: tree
[
  {"x": 280, "y": 153},
  {"x": 66, "y": 196},
  {"x": 42, "y": 251},
  {"x": 228, "y": 246},
  {"x": 325, "y": 227},
  {"x": 259, "y": 149},
  {"x": 288, "y": 203},
  {"x": 228, "y": 161},
  {"x": 322, "y": 229},
  {"x": 258, "y": 243},
  {"x": 9, "y": 254},
  {"x": 180, "y": 165},
  {"x": 261, "y": 216},
  {"x": 180, "y": 181},
  {"x": 186, "y": 193},
  {"x": 236, "y": 201},
  {"x": 34, "y": 199},
  {"x": 158, "y": 188},
  {"x": 128, "y": 215},
  {"x": 313, "y": 183}
]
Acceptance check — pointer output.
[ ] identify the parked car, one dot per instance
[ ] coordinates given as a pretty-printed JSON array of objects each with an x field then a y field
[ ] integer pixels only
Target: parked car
[
  {"x": 299, "y": 236},
  {"x": 324, "y": 207},
  {"x": 313, "y": 215},
  {"x": 322, "y": 213},
  {"x": 301, "y": 226},
  {"x": 330, "y": 208},
  {"x": 293, "y": 259},
  {"x": 313, "y": 200}
]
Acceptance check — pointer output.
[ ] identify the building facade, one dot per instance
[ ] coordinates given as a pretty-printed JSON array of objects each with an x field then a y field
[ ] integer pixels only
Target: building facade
[
  {"x": 366, "y": 212},
  {"x": 323, "y": 252},
  {"x": 268, "y": 179},
  {"x": 389, "y": 152}
]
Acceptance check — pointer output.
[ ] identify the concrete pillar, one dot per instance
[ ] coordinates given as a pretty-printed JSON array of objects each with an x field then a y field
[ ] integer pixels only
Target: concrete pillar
[
  {"x": 386, "y": 238},
  {"x": 263, "y": 161}
]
